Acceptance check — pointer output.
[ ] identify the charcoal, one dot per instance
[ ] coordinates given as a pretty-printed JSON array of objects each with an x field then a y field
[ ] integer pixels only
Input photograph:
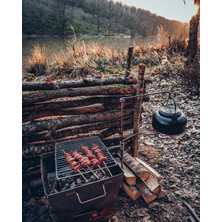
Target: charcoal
[
  {"x": 67, "y": 185},
  {"x": 78, "y": 181},
  {"x": 93, "y": 178},
  {"x": 70, "y": 180},
  {"x": 100, "y": 174},
  {"x": 63, "y": 180},
  {"x": 72, "y": 185}
]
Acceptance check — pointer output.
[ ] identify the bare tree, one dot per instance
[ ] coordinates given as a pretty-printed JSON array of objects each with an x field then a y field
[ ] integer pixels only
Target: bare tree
[
  {"x": 62, "y": 17},
  {"x": 193, "y": 33}
]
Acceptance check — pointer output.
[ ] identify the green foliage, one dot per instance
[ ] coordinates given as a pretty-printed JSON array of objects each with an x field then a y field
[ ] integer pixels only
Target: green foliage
[{"x": 54, "y": 17}]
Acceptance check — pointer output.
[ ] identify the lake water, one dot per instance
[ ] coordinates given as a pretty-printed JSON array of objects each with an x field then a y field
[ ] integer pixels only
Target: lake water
[{"x": 55, "y": 44}]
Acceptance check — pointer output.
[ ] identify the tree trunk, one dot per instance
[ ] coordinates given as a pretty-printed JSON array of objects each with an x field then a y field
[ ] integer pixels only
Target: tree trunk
[{"x": 193, "y": 36}]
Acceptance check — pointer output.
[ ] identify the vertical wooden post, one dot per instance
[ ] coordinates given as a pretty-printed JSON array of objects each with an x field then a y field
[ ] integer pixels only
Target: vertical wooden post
[
  {"x": 129, "y": 61},
  {"x": 137, "y": 111}
]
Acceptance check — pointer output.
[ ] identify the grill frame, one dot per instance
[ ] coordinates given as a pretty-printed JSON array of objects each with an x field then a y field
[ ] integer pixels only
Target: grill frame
[
  {"x": 63, "y": 170},
  {"x": 66, "y": 204}
]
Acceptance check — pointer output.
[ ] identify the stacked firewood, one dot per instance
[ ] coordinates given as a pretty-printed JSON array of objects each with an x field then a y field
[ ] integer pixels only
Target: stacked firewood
[{"x": 140, "y": 179}]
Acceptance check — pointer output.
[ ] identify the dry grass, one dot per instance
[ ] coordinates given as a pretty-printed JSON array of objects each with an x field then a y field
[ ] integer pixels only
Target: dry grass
[
  {"x": 38, "y": 61},
  {"x": 82, "y": 60}
]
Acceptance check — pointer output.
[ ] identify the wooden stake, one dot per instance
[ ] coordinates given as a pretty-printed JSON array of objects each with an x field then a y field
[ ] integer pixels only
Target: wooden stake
[
  {"x": 138, "y": 104},
  {"x": 93, "y": 172},
  {"x": 108, "y": 169},
  {"x": 129, "y": 61}
]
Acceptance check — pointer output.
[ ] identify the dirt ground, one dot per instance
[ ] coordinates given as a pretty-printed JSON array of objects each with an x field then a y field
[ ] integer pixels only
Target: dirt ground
[{"x": 176, "y": 158}]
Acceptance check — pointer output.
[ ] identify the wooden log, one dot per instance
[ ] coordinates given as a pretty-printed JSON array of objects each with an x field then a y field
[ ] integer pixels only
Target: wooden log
[
  {"x": 129, "y": 61},
  {"x": 32, "y": 183},
  {"x": 55, "y": 124},
  {"x": 107, "y": 101},
  {"x": 135, "y": 166},
  {"x": 35, "y": 97},
  {"x": 36, "y": 86},
  {"x": 32, "y": 150},
  {"x": 132, "y": 191},
  {"x": 55, "y": 135},
  {"x": 129, "y": 177},
  {"x": 95, "y": 108},
  {"x": 150, "y": 169},
  {"x": 71, "y": 111},
  {"x": 153, "y": 185},
  {"x": 30, "y": 163},
  {"x": 145, "y": 192},
  {"x": 138, "y": 104},
  {"x": 161, "y": 194},
  {"x": 46, "y": 147},
  {"x": 74, "y": 102},
  {"x": 115, "y": 141},
  {"x": 31, "y": 174}
]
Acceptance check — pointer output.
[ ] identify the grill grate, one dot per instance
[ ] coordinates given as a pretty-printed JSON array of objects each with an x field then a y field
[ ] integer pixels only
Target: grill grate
[{"x": 63, "y": 170}]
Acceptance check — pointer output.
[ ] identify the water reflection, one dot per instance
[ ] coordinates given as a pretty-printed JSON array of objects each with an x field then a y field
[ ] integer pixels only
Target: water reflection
[{"x": 55, "y": 44}]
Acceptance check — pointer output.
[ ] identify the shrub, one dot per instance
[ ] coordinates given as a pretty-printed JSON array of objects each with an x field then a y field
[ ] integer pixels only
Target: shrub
[{"x": 37, "y": 63}]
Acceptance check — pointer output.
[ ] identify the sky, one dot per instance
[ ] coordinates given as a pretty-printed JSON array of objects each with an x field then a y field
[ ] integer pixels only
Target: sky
[{"x": 170, "y": 9}]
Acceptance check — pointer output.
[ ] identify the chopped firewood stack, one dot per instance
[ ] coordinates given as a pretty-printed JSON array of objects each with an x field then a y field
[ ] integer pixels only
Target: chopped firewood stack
[{"x": 140, "y": 179}]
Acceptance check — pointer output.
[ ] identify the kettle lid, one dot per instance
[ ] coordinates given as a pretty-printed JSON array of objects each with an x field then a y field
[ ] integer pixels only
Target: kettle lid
[{"x": 169, "y": 111}]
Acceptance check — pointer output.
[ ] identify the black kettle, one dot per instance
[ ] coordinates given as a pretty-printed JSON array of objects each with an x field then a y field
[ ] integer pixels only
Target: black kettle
[{"x": 169, "y": 120}]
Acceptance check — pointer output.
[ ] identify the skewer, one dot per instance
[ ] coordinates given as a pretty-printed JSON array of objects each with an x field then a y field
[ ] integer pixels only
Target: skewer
[
  {"x": 107, "y": 169},
  {"x": 82, "y": 175},
  {"x": 78, "y": 170},
  {"x": 89, "y": 151},
  {"x": 101, "y": 169},
  {"x": 93, "y": 172}
]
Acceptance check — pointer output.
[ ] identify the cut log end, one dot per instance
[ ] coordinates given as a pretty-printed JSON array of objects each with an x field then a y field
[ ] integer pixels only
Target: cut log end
[{"x": 132, "y": 191}]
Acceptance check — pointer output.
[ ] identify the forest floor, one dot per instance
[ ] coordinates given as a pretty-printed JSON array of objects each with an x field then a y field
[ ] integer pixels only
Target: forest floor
[{"x": 176, "y": 158}]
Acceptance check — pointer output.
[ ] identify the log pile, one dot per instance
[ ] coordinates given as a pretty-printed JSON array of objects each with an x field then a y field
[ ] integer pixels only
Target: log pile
[
  {"x": 140, "y": 179},
  {"x": 57, "y": 111},
  {"x": 51, "y": 115}
]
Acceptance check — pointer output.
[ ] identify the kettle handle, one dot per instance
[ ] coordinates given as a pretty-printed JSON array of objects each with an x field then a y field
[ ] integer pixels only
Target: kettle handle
[{"x": 174, "y": 102}]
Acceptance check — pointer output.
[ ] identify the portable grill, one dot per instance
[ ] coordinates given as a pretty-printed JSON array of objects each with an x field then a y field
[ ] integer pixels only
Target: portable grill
[
  {"x": 87, "y": 201},
  {"x": 63, "y": 170}
]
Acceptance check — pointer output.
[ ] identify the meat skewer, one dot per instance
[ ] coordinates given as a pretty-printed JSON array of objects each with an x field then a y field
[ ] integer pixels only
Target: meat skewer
[
  {"x": 84, "y": 161},
  {"x": 73, "y": 164},
  {"x": 96, "y": 149},
  {"x": 95, "y": 162}
]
